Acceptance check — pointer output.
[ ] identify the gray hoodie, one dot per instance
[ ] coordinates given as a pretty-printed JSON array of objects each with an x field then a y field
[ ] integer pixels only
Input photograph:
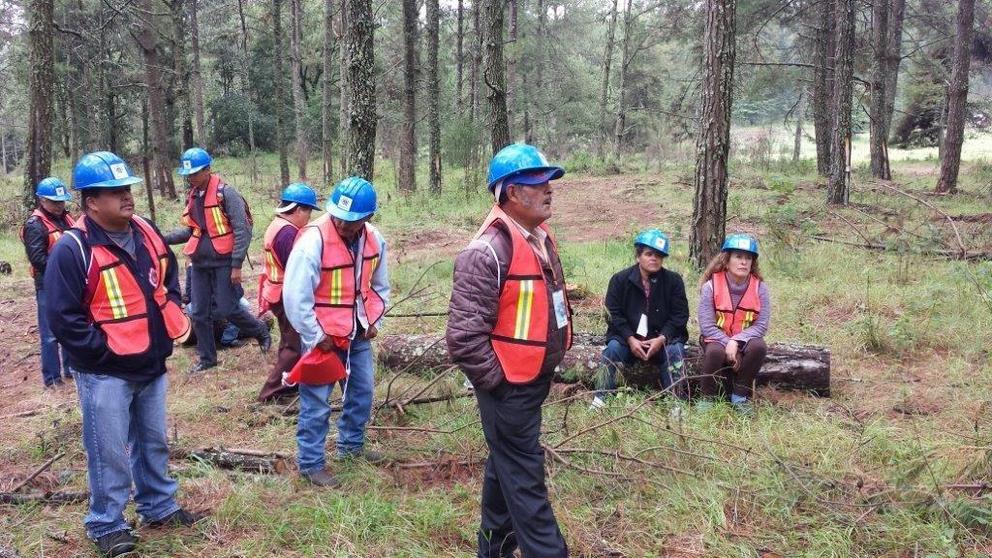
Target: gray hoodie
[{"x": 237, "y": 213}]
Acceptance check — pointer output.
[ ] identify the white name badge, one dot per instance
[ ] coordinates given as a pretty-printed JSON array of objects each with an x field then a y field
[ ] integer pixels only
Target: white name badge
[
  {"x": 561, "y": 309},
  {"x": 642, "y": 326}
]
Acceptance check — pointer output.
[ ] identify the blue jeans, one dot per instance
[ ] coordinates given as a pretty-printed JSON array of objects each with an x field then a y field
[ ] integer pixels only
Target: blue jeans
[
  {"x": 124, "y": 436},
  {"x": 617, "y": 353},
  {"x": 315, "y": 411},
  {"x": 52, "y": 366}
]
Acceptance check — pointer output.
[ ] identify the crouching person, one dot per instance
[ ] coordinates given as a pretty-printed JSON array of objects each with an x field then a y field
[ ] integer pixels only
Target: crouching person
[
  {"x": 116, "y": 315},
  {"x": 648, "y": 313}
]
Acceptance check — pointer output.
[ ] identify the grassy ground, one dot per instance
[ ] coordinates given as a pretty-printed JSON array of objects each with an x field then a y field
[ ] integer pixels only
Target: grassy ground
[{"x": 873, "y": 471}]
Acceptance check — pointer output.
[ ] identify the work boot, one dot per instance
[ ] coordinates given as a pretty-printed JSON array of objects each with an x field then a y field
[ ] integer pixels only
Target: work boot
[
  {"x": 117, "y": 543},
  {"x": 178, "y": 518},
  {"x": 201, "y": 367},
  {"x": 265, "y": 341},
  {"x": 321, "y": 478}
]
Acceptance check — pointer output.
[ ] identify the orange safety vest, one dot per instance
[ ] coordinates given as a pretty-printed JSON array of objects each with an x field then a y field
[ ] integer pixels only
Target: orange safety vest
[
  {"x": 116, "y": 303},
  {"x": 218, "y": 226},
  {"x": 733, "y": 320},
  {"x": 334, "y": 299},
  {"x": 520, "y": 338},
  {"x": 270, "y": 282},
  {"x": 54, "y": 232}
]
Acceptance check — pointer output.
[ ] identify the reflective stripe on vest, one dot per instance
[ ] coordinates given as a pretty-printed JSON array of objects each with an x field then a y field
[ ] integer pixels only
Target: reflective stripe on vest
[
  {"x": 218, "y": 226},
  {"x": 273, "y": 271},
  {"x": 520, "y": 337},
  {"x": 116, "y": 302},
  {"x": 53, "y": 231},
  {"x": 733, "y": 320},
  {"x": 334, "y": 299}
]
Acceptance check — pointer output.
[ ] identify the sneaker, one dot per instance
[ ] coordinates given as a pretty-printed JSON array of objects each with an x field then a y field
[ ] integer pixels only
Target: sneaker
[
  {"x": 201, "y": 367},
  {"x": 117, "y": 543},
  {"x": 371, "y": 456},
  {"x": 321, "y": 478},
  {"x": 265, "y": 341},
  {"x": 178, "y": 518},
  {"x": 468, "y": 385},
  {"x": 597, "y": 404}
]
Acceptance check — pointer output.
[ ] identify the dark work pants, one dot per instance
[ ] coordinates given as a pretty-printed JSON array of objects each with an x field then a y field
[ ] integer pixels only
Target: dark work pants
[
  {"x": 515, "y": 508},
  {"x": 213, "y": 284},
  {"x": 289, "y": 354},
  {"x": 719, "y": 376}
]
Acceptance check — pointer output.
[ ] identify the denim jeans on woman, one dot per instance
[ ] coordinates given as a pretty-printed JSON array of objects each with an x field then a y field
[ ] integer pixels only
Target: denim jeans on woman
[{"x": 618, "y": 353}]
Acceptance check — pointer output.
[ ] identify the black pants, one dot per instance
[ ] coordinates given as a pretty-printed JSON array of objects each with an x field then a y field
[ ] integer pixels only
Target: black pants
[
  {"x": 515, "y": 508},
  {"x": 719, "y": 376},
  {"x": 211, "y": 292}
]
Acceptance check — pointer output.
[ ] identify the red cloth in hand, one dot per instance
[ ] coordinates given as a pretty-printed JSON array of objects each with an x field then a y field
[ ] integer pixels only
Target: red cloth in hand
[{"x": 317, "y": 368}]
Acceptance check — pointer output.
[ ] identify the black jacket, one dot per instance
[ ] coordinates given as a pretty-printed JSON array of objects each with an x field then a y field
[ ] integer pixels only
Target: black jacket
[
  {"x": 35, "y": 238},
  {"x": 667, "y": 310}
]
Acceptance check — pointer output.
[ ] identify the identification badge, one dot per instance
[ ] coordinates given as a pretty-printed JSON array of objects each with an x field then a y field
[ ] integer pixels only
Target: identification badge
[
  {"x": 642, "y": 326},
  {"x": 561, "y": 309}
]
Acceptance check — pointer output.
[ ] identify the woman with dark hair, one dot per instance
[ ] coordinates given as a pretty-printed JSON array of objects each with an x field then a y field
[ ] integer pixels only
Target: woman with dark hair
[{"x": 734, "y": 314}]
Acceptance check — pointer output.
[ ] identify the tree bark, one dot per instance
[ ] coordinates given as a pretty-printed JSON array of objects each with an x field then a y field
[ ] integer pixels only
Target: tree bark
[
  {"x": 511, "y": 63},
  {"x": 460, "y": 57},
  {"x": 41, "y": 83},
  {"x": 839, "y": 182},
  {"x": 408, "y": 136},
  {"x": 620, "y": 124},
  {"x": 327, "y": 104},
  {"x": 343, "y": 65},
  {"x": 957, "y": 99},
  {"x": 537, "y": 96},
  {"x": 361, "y": 88},
  {"x": 494, "y": 74},
  {"x": 196, "y": 75},
  {"x": 604, "y": 90},
  {"x": 434, "y": 94},
  {"x": 248, "y": 90},
  {"x": 145, "y": 163},
  {"x": 798, "y": 138},
  {"x": 709, "y": 208},
  {"x": 181, "y": 78},
  {"x": 787, "y": 366},
  {"x": 296, "y": 67},
  {"x": 278, "y": 91},
  {"x": 894, "y": 58},
  {"x": 878, "y": 135},
  {"x": 824, "y": 44},
  {"x": 161, "y": 162}
]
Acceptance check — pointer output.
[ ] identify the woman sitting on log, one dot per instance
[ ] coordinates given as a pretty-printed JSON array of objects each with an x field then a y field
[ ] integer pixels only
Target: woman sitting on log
[{"x": 734, "y": 313}]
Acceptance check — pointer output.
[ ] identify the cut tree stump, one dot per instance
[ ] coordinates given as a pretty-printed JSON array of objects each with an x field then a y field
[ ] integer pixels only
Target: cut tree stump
[{"x": 787, "y": 365}]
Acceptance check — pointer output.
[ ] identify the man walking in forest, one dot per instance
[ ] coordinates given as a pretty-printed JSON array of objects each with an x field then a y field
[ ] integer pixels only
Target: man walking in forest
[
  {"x": 508, "y": 328},
  {"x": 217, "y": 232}
]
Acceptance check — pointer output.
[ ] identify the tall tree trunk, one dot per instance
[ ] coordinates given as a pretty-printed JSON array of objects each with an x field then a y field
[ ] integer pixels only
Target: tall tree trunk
[
  {"x": 433, "y": 94},
  {"x": 823, "y": 83},
  {"x": 181, "y": 74},
  {"x": 296, "y": 66},
  {"x": 248, "y": 90},
  {"x": 709, "y": 209},
  {"x": 327, "y": 104},
  {"x": 476, "y": 65},
  {"x": 537, "y": 96},
  {"x": 408, "y": 139},
  {"x": 460, "y": 57},
  {"x": 343, "y": 68},
  {"x": 957, "y": 99},
  {"x": 278, "y": 92},
  {"x": 511, "y": 63},
  {"x": 620, "y": 125},
  {"x": 146, "y": 167},
  {"x": 893, "y": 59},
  {"x": 495, "y": 74},
  {"x": 878, "y": 135},
  {"x": 839, "y": 181},
  {"x": 604, "y": 133},
  {"x": 798, "y": 139},
  {"x": 161, "y": 162},
  {"x": 361, "y": 88},
  {"x": 41, "y": 81},
  {"x": 196, "y": 76}
]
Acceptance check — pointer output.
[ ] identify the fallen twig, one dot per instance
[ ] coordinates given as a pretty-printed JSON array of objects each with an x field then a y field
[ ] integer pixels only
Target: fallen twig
[
  {"x": 37, "y": 472},
  {"x": 43, "y": 497}
]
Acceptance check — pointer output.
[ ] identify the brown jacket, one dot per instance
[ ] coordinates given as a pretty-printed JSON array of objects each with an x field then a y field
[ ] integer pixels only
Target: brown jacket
[{"x": 474, "y": 305}]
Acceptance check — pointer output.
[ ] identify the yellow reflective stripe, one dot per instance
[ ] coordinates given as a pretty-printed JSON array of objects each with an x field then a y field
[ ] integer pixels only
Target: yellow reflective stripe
[
  {"x": 525, "y": 302},
  {"x": 375, "y": 263},
  {"x": 218, "y": 220},
  {"x": 719, "y": 319},
  {"x": 113, "y": 288},
  {"x": 336, "y": 286},
  {"x": 273, "y": 268}
]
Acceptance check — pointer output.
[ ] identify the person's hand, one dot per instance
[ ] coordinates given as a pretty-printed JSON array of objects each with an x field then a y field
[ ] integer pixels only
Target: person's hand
[
  {"x": 655, "y": 345},
  {"x": 732, "y": 356},
  {"x": 371, "y": 332},
  {"x": 637, "y": 347},
  {"x": 326, "y": 344},
  {"x": 235, "y": 275}
]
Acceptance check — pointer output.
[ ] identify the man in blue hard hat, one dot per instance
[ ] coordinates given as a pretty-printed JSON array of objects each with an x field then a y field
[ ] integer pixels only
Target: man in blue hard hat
[
  {"x": 335, "y": 294},
  {"x": 648, "y": 315},
  {"x": 217, "y": 231},
  {"x": 509, "y": 325},
  {"x": 297, "y": 202},
  {"x": 40, "y": 232},
  {"x": 117, "y": 316}
]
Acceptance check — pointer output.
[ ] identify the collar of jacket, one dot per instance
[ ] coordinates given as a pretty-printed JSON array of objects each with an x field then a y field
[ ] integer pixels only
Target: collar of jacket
[
  {"x": 96, "y": 235},
  {"x": 634, "y": 276}
]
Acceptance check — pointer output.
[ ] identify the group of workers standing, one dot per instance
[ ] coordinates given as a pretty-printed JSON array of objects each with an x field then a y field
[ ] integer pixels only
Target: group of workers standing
[{"x": 118, "y": 312}]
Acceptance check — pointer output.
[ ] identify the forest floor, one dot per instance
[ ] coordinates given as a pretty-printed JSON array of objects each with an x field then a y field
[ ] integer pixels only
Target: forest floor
[{"x": 896, "y": 463}]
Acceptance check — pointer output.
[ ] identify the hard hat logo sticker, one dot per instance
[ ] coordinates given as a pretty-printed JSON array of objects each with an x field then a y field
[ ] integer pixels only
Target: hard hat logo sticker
[
  {"x": 344, "y": 203},
  {"x": 59, "y": 191},
  {"x": 743, "y": 243},
  {"x": 187, "y": 164},
  {"x": 119, "y": 170}
]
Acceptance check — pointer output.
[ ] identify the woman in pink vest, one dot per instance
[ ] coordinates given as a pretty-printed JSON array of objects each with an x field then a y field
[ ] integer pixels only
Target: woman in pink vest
[{"x": 734, "y": 313}]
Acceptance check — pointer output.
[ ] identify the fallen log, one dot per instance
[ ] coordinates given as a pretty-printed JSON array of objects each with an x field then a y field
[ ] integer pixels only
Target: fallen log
[
  {"x": 43, "y": 497},
  {"x": 787, "y": 366},
  {"x": 249, "y": 461}
]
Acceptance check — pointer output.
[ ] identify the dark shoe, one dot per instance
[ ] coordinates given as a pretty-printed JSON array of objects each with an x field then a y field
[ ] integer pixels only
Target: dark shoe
[
  {"x": 265, "y": 341},
  {"x": 117, "y": 543},
  {"x": 201, "y": 367},
  {"x": 321, "y": 478},
  {"x": 372, "y": 457},
  {"x": 178, "y": 518},
  {"x": 68, "y": 377}
]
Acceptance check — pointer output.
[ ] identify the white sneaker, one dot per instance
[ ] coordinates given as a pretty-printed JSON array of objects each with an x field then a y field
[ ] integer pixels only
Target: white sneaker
[{"x": 597, "y": 404}]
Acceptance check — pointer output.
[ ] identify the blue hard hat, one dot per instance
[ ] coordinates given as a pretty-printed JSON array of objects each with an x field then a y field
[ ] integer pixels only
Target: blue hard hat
[
  {"x": 193, "y": 160},
  {"x": 301, "y": 194},
  {"x": 653, "y": 239},
  {"x": 102, "y": 169},
  {"x": 521, "y": 159},
  {"x": 352, "y": 199},
  {"x": 53, "y": 189},
  {"x": 743, "y": 242}
]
